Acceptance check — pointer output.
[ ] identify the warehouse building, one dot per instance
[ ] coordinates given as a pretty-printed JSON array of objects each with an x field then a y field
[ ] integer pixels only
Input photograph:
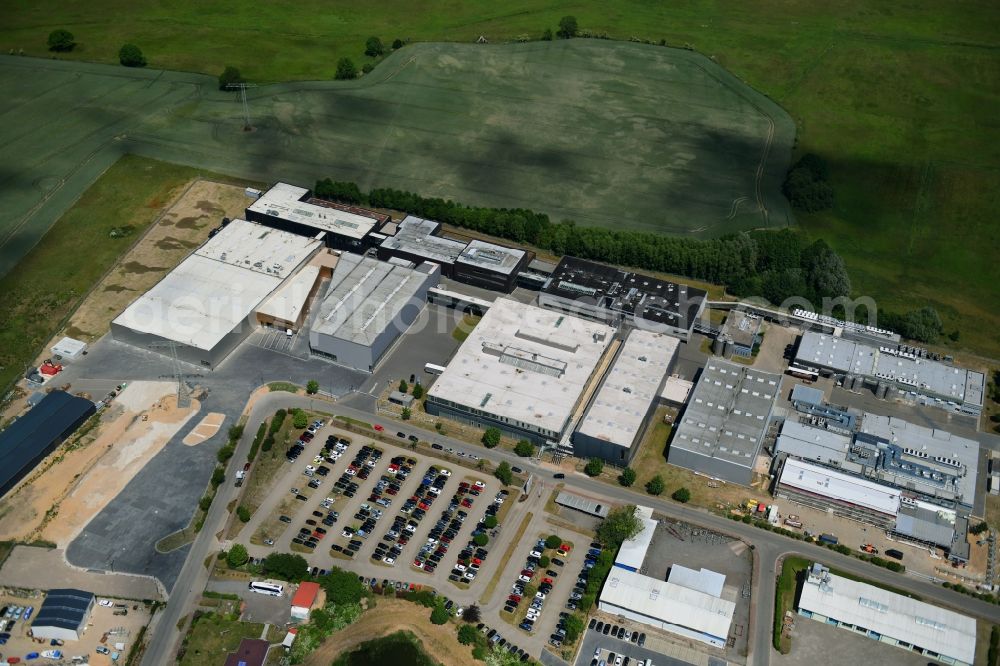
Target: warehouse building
[
  {"x": 287, "y": 307},
  {"x": 632, "y": 552},
  {"x": 844, "y": 495},
  {"x": 721, "y": 430},
  {"x": 490, "y": 266},
  {"x": 887, "y": 617},
  {"x": 740, "y": 334},
  {"x": 289, "y": 208},
  {"x": 687, "y": 612},
  {"x": 614, "y": 296},
  {"x": 416, "y": 240},
  {"x": 614, "y": 424},
  {"x": 890, "y": 366},
  {"x": 204, "y": 308},
  {"x": 522, "y": 369},
  {"x": 63, "y": 615},
  {"x": 26, "y": 441},
  {"x": 369, "y": 304}
]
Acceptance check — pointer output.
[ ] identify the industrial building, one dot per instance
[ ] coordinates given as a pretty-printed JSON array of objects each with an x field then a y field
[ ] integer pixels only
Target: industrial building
[
  {"x": 721, "y": 429},
  {"x": 369, "y": 304},
  {"x": 842, "y": 494},
  {"x": 522, "y": 369},
  {"x": 64, "y": 615},
  {"x": 667, "y": 605},
  {"x": 739, "y": 334},
  {"x": 890, "y": 366},
  {"x": 416, "y": 240},
  {"x": 614, "y": 296},
  {"x": 203, "y": 309},
  {"x": 887, "y": 617},
  {"x": 26, "y": 441},
  {"x": 286, "y": 308},
  {"x": 289, "y": 208},
  {"x": 490, "y": 266},
  {"x": 615, "y": 421}
]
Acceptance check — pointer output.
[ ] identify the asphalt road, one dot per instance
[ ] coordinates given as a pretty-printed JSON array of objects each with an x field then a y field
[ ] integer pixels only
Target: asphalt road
[{"x": 768, "y": 546}]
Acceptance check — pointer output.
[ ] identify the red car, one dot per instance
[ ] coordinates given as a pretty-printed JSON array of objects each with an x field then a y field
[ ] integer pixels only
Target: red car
[
  {"x": 547, "y": 581},
  {"x": 527, "y": 572},
  {"x": 516, "y": 598},
  {"x": 378, "y": 427},
  {"x": 467, "y": 503}
]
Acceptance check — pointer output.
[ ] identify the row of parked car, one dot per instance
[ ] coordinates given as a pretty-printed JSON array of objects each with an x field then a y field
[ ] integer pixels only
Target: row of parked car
[
  {"x": 501, "y": 643},
  {"x": 616, "y": 631},
  {"x": 471, "y": 558},
  {"x": 388, "y": 486},
  {"x": 411, "y": 514},
  {"x": 531, "y": 566}
]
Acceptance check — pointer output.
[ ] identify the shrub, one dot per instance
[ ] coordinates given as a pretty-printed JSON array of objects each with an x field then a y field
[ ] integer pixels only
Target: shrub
[
  {"x": 489, "y": 522},
  {"x": 467, "y": 634},
  {"x": 374, "y": 47},
  {"x": 406, "y": 414},
  {"x": 300, "y": 419},
  {"x": 61, "y": 40},
  {"x": 218, "y": 477},
  {"x": 656, "y": 485},
  {"x": 504, "y": 473},
  {"x": 237, "y": 556},
  {"x": 225, "y": 453},
  {"x": 627, "y": 477},
  {"x": 567, "y": 27},
  {"x": 312, "y": 387},
  {"x": 480, "y": 540},
  {"x": 491, "y": 438},
  {"x": 286, "y": 566},
  {"x": 553, "y": 541},
  {"x": 367, "y": 68},
  {"x": 547, "y": 35},
  {"x": 439, "y": 615},
  {"x": 397, "y": 43},
  {"x": 594, "y": 467},
  {"x": 403, "y": 386},
  {"x": 682, "y": 495},
  {"x": 230, "y": 76},
  {"x": 544, "y": 561},
  {"x": 243, "y": 514},
  {"x": 257, "y": 440},
  {"x": 574, "y": 627},
  {"x": 418, "y": 391},
  {"x": 130, "y": 56},
  {"x": 205, "y": 503},
  {"x": 268, "y": 442},
  {"x": 278, "y": 420},
  {"x": 524, "y": 448},
  {"x": 346, "y": 70}
]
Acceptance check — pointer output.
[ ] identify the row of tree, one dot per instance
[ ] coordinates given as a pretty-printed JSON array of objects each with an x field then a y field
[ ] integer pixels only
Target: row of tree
[
  {"x": 773, "y": 264},
  {"x": 63, "y": 41}
]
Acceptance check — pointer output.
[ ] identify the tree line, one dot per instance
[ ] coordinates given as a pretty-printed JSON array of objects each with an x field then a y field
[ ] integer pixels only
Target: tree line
[{"x": 774, "y": 264}]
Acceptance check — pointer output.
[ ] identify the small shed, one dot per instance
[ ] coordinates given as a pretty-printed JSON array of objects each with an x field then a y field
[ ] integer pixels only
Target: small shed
[
  {"x": 69, "y": 348},
  {"x": 304, "y": 599},
  {"x": 400, "y": 398}
]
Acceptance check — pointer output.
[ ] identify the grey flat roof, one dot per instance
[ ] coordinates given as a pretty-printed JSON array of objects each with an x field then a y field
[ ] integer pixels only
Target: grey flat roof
[
  {"x": 742, "y": 327},
  {"x": 580, "y": 503},
  {"x": 728, "y": 412},
  {"x": 889, "y": 364},
  {"x": 807, "y": 394},
  {"x": 619, "y": 408},
  {"x": 286, "y": 202},
  {"x": 926, "y": 522},
  {"x": 365, "y": 296},
  {"x": 815, "y": 444},
  {"x": 496, "y": 258},
  {"x": 416, "y": 236}
]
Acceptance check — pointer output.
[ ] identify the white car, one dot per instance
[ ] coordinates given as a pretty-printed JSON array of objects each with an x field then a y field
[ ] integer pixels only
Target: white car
[
  {"x": 459, "y": 611},
  {"x": 597, "y": 653},
  {"x": 539, "y": 595},
  {"x": 524, "y": 579},
  {"x": 471, "y": 575},
  {"x": 535, "y": 553},
  {"x": 618, "y": 660},
  {"x": 107, "y": 603},
  {"x": 460, "y": 567},
  {"x": 479, "y": 484},
  {"x": 310, "y": 468},
  {"x": 444, "y": 472},
  {"x": 389, "y": 560}
]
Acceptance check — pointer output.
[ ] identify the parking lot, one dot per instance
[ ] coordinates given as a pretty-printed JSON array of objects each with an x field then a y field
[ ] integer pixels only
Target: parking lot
[
  {"x": 112, "y": 623},
  {"x": 598, "y": 648}
]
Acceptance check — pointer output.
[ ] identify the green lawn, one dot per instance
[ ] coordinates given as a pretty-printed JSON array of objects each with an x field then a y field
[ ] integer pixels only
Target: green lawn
[
  {"x": 784, "y": 600},
  {"x": 51, "y": 280},
  {"x": 901, "y": 101},
  {"x": 213, "y": 636}
]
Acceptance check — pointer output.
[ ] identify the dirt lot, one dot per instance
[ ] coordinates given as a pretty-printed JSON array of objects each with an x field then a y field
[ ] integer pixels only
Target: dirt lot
[
  {"x": 79, "y": 479},
  {"x": 103, "y": 628},
  {"x": 390, "y": 616}
]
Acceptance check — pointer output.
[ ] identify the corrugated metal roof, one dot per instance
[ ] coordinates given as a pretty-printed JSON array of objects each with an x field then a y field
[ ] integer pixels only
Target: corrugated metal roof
[
  {"x": 852, "y": 489},
  {"x": 64, "y": 608}
]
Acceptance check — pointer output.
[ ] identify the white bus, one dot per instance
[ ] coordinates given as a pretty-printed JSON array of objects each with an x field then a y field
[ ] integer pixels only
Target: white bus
[
  {"x": 271, "y": 589},
  {"x": 433, "y": 369}
]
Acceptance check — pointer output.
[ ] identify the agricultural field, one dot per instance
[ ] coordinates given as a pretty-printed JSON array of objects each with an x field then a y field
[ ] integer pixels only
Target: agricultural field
[{"x": 898, "y": 100}]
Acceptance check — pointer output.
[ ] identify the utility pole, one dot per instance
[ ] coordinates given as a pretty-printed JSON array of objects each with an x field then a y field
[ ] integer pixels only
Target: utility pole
[{"x": 242, "y": 87}]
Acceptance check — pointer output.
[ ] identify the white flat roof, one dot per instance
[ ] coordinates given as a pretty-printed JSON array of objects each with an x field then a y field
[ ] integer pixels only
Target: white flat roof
[
  {"x": 288, "y": 302},
  {"x": 496, "y": 258},
  {"x": 676, "y": 390},
  {"x": 524, "y": 363},
  {"x": 619, "y": 408},
  {"x": 283, "y": 201},
  {"x": 703, "y": 580},
  {"x": 669, "y": 602},
  {"x": 633, "y": 551},
  {"x": 892, "y": 615},
  {"x": 69, "y": 347},
  {"x": 843, "y": 487},
  {"x": 219, "y": 285}
]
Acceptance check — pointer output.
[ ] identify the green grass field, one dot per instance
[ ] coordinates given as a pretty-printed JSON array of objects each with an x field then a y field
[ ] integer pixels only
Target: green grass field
[{"x": 899, "y": 99}]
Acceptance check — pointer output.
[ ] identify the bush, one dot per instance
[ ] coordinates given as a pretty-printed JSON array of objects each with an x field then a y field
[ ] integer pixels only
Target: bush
[
  {"x": 397, "y": 43},
  {"x": 346, "y": 70},
  {"x": 574, "y": 627},
  {"x": 374, "y": 47},
  {"x": 682, "y": 495},
  {"x": 627, "y": 477},
  {"x": 439, "y": 615},
  {"x": 480, "y": 540},
  {"x": 806, "y": 185},
  {"x": 656, "y": 485},
  {"x": 130, "y": 56},
  {"x": 61, "y": 40},
  {"x": 504, "y": 473},
  {"x": 491, "y": 438},
  {"x": 257, "y": 440},
  {"x": 300, "y": 419},
  {"x": 230, "y": 76},
  {"x": 547, "y": 35},
  {"x": 553, "y": 541},
  {"x": 418, "y": 391},
  {"x": 594, "y": 467},
  {"x": 342, "y": 587},
  {"x": 312, "y": 387},
  {"x": 243, "y": 514},
  {"x": 524, "y": 448},
  {"x": 544, "y": 561},
  {"x": 277, "y": 421},
  {"x": 567, "y": 27},
  {"x": 979, "y": 528},
  {"x": 489, "y": 522},
  {"x": 225, "y": 453},
  {"x": 403, "y": 386},
  {"x": 406, "y": 414},
  {"x": 286, "y": 566},
  {"x": 237, "y": 556},
  {"x": 235, "y": 432},
  {"x": 467, "y": 634},
  {"x": 205, "y": 503},
  {"x": 268, "y": 442},
  {"x": 218, "y": 477}
]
